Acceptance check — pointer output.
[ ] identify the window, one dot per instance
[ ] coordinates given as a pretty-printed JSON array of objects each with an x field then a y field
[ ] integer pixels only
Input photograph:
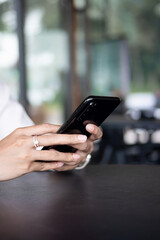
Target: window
[
  {"x": 9, "y": 46},
  {"x": 47, "y": 49}
]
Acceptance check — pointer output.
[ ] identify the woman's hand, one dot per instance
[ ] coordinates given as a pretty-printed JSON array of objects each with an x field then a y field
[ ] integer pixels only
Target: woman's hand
[
  {"x": 83, "y": 149},
  {"x": 18, "y": 155}
]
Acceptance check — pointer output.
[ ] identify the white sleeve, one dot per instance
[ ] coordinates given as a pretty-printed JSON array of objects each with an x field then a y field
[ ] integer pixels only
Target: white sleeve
[{"x": 12, "y": 114}]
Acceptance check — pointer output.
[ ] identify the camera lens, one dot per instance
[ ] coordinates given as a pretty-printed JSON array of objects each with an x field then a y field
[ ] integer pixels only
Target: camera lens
[
  {"x": 79, "y": 119},
  {"x": 93, "y": 104}
]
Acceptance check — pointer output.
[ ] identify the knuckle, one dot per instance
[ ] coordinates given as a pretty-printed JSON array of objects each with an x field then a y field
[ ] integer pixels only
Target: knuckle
[
  {"x": 55, "y": 155},
  {"x": 100, "y": 132},
  {"x": 97, "y": 132},
  {"x": 84, "y": 147},
  {"x": 26, "y": 168},
  {"x": 68, "y": 157},
  {"x": 42, "y": 166},
  {"x": 26, "y": 156},
  {"x": 71, "y": 139},
  {"x": 21, "y": 141},
  {"x": 47, "y": 126},
  {"x": 18, "y": 131}
]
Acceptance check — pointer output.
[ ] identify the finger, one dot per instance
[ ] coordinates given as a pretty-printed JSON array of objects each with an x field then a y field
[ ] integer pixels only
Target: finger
[
  {"x": 85, "y": 147},
  {"x": 96, "y": 132},
  {"x": 81, "y": 159},
  {"x": 43, "y": 166},
  {"x": 83, "y": 156},
  {"x": 40, "y": 129},
  {"x": 77, "y": 160},
  {"x": 60, "y": 139},
  {"x": 53, "y": 155},
  {"x": 66, "y": 167}
]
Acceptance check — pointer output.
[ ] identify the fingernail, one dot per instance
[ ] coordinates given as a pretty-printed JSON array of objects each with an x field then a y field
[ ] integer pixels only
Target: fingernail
[
  {"x": 60, "y": 164},
  {"x": 82, "y": 138},
  {"x": 90, "y": 127},
  {"x": 76, "y": 156}
]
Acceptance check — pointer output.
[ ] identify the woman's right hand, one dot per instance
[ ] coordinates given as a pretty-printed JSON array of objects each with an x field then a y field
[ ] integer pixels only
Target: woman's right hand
[{"x": 18, "y": 155}]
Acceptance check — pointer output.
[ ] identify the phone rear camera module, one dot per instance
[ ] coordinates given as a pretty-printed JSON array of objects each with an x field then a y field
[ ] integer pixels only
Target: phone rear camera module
[
  {"x": 79, "y": 119},
  {"x": 93, "y": 104}
]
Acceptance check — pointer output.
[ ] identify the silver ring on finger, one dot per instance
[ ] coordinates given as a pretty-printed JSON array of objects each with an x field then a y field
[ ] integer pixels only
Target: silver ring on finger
[{"x": 35, "y": 142}]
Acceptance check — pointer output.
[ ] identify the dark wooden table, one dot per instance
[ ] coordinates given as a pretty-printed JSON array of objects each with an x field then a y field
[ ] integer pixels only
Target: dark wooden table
[{"x": 112, "y": 202}]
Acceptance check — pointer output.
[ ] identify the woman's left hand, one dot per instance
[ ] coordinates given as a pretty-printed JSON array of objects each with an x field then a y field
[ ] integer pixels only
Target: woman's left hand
[{"x": 83, "y": 149}]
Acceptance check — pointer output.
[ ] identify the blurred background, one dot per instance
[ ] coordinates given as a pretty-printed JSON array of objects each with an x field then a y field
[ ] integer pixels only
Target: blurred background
[{"x": 53, "y": 53}]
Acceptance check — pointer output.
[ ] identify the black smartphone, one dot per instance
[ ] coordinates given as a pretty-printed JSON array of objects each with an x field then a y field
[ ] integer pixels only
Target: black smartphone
[{"x": 94, "y": 109}]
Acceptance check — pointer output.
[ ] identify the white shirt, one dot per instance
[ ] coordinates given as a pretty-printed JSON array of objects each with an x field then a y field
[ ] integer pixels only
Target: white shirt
[{"x": 12, "y": 114}]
